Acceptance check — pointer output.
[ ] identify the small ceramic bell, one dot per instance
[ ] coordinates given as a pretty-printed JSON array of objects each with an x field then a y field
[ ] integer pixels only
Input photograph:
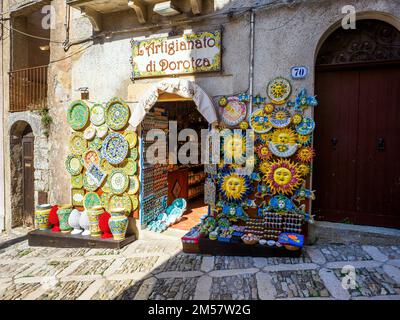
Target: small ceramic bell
[
  {"x": 84, "y": 223},
  {"x": 74, "y": 220}
]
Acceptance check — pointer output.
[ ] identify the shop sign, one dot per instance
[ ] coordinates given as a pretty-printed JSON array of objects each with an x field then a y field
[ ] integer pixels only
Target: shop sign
[
  {"x": 299, "y": 72},
  {"x": 187, "y": 54}
]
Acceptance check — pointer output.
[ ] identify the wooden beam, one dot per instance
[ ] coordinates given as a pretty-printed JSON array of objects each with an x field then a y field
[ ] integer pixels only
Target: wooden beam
[
  {"x": 196, "y": 6},
  {"x": 94, "y": 18},
  {"x": 140, "y": 9}
]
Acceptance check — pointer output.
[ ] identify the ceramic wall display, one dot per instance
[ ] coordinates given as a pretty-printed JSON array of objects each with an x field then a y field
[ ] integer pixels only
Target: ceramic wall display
[
  {"x": 131, "y": 137},
  {"x": 234, "y": 112},
  {"x": 280, "y": 117},
  {"x": 78, "y": 196},
  {"x": 63, "y": 216},
  {"x": 133, "y": 185},
  {"x": 96, "y": 174},
  {"x": 77, "y": 143},
  {"x": 78, "y": 115},
  {"x": 118, "y": 181},
  {"x": 89, "y": 183},
  {"x": 91, "y": 199},
  {"x": 133, "y": 154},
  {"x": 102, "y": 131},
  {"x": 94, "y": 214},
  {"x": 89, "y": 133},
  {"x": 96, "y": 143},
  {"x": 74, "y": 164},
  {"x": 234, "y": 187},
  {"x": 129, "y": 166},
  {"x": 118, "y": 223},
  {"x": 278, "y": 90},
  {"x": 77, "y": 181},
  {"x": 73, "y": 221},
  {"x": 117, "y": 114},
  {"x": 115, "y": 148},
  {"x": 259, "y": 121},
  {"x": 306, "y": 126},
  {"x": 84, "y": 223},
  {"x": 123, "y": 201},
  {"x": 42, "y": 218},
  {"x": 283, "y": 176},
  {"x": 91, "y": 157},
  {"x": 97, "y": 114}
]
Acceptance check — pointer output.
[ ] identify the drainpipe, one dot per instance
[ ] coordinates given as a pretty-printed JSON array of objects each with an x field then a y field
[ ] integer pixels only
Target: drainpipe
[
  {"x": 2, "y": 119},
  {"x": 251, "y": 62}
]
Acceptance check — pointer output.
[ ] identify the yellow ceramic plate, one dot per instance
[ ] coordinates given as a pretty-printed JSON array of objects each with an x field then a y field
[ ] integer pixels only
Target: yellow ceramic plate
[
  {"x": 133, "y": 185},
  {"x": 131, "y": 137}
]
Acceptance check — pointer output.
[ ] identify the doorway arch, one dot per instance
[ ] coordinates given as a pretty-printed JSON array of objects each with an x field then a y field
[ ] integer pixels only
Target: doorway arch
[
  {"x": 357, "y": 82},
  {"x": 22, "y": 174}
]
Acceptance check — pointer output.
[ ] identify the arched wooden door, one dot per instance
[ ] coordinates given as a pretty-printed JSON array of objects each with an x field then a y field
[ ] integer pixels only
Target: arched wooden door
[{"x": 357, "y": 139}]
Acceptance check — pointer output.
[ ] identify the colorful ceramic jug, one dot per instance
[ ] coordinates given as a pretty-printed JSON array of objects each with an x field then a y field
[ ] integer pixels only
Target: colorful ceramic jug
[
  {"x": 73, "y": 221},
  {"x": 42, "y": 217},
  {"x": 118, "y": 223},
  {"x": 94, "y": 214},
  {"x": 63, "y": 214},
  {"x": 84, "y": 223}
]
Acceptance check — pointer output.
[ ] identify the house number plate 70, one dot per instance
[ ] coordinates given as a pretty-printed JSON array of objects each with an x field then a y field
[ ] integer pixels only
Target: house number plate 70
[{"x": 299, "y": 72}]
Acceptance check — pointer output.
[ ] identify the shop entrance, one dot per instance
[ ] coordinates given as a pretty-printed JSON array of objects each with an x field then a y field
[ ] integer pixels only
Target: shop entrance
[
  {"x": 356, "y": 170},
  {"x": 174, "y": 180}
]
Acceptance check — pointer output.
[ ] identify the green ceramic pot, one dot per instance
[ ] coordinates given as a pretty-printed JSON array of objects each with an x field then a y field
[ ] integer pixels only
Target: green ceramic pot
[
  {"x": 63, "y": 216},
  {"x": 118, "y": 224},
  {"x": 94, "y": 214}
]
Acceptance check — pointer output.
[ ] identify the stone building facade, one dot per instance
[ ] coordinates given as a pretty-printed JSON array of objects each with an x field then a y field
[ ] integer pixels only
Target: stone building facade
[{"x": 91, "y": 49}]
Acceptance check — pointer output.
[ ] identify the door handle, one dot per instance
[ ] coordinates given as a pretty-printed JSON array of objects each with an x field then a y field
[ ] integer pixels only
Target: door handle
[
  {"x": 334, "y": 142},
  {"x": 380, "y": 144}
]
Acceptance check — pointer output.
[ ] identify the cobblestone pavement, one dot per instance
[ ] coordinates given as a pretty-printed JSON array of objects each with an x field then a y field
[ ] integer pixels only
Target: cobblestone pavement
[{"x": 153, "y": 269}]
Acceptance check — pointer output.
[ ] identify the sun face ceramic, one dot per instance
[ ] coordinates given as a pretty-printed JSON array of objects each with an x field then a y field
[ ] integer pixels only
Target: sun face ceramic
[
  {"x": 234, "y": 112},
  {"x": 234, "y": 147},
  {"x": 234, "y": 187},
  {"x": 263, "y": 152},
  {"x": 304, "y": 140},
  {"x": 305, "y": 154},
  {"x": 278, "y": 90},
  {"x": 280, "y": 118},
  {"x": 297, "y": 118},
  {"x": 78, "y": 115},
  {"x": 283, "y": 177},
  {"x": 304, "y": 169},
  {"x": 268, "y": 108},
  {"x": 306, "y": 126},
  {"x": 223, "y": 102},
  {"x": 259, "y": 121}
]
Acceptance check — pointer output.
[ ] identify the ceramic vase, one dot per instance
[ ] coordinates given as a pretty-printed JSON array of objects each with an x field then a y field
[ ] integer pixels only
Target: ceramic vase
[
  {"x": 118, "y": 223},
  {"x": 42, "y": 217},
  {"x": 84, "y": 223},
  {"x": 63, "y": 214},
  {"x": 94, "y": 214},
  {"x": 73, "y": 221}
]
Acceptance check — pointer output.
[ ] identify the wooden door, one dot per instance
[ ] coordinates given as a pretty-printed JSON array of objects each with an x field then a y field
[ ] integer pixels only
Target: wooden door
[
  {"x": 357, "y": 171},
  {"x": 28, "y": 179}
]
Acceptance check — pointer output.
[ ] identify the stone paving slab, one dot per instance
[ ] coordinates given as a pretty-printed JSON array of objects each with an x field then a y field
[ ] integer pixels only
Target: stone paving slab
[{"x": 156, "y": 269}]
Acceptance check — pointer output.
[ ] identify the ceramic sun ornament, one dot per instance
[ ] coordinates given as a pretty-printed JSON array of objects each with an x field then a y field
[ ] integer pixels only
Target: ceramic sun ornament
[
  {"x": 234, "y": 146},
  {"x": 222, "y": 102},
  {"x": 304, "y": 140},
  {"x": 304, "y": 169},
  {"x": 280, "y": 117},
  {"x": 234, "y": 188},
  {"x": 305, "y": 154},
  {"x": 234, "y": 112},
  {"x": 263, "y": 152},
  {"x": 283, "y": 177},
  {"x": 283, "y": 143},
  {"x": 259, "y": 121},
  {"x": 278, "y": 90}
]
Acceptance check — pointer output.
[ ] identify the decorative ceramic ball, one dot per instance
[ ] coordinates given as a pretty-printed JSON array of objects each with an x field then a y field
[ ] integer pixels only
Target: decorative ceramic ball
[
  {"x": 223, "y": 102},
  {"x": 73, "y": 221},
  {"x": 84, "y": 223}
]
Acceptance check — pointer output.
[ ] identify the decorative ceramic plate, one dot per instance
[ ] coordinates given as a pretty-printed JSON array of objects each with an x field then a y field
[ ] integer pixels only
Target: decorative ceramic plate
[
  {"x": 106, "y": 187},
  {"x": 89, "y": 133},
  {"x": 78, "y": 115},
  {"x": 234, "y": 112},
  {"x": 89, "y": 183},
  {"x": 306, "y": 126},
  {"x": 280, "y": 118},
  {"x": 97, "y": 114},
  {"x": 74, "y": 165},
  {"x": 129, "y": 166},
  {"x": 105, "y": 198},
  {"x": 77, "y": 143},
  {"x": 91, "y": 199},
  {"x": 96, "y": 174},
  {"x": 117, "y": 114},
  {"x": 106, "y": 166},
  {"x": 131, "y": 137},
  {"x": 95, "y": 143},
  {"x": 123, "y": 201},
  {"x": 135, "y": 202},
  {"x": 282, "y": 150},
  {"x": 102, "y": 131},
  {"x": 77, "y": 197},
  {"x": 133, "y": 154},
  {"x": 259, "y": 121},
  {"x": 118, "y": 181},
  {"x": 91, "y": 157},
  {"x": 133, "y": 185},
  {"x": 278, "y": 90},
  {"x": 115, "y": 148},
  {"x": 77, "y": 181}
]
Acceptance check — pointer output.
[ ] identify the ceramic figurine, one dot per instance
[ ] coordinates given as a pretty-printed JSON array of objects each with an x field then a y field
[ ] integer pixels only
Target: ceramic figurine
[
  {"x": 94, "y": 214},
  {"x": 42, "y": 217},
  {"x": 63, "y": 214},
  {"x": 84, "y": 223},
  {"x": 73, "y": 221},
  {"x": 118, "y": 223}
]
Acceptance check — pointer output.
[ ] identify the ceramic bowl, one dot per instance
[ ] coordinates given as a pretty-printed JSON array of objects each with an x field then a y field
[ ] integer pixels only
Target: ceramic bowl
[
  {"x": 262, "y": 242},
  {"x": 271, "y": 243}
]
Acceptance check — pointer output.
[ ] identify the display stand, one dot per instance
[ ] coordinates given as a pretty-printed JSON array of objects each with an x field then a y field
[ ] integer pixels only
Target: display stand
[{"x": 48, "y": 238}]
